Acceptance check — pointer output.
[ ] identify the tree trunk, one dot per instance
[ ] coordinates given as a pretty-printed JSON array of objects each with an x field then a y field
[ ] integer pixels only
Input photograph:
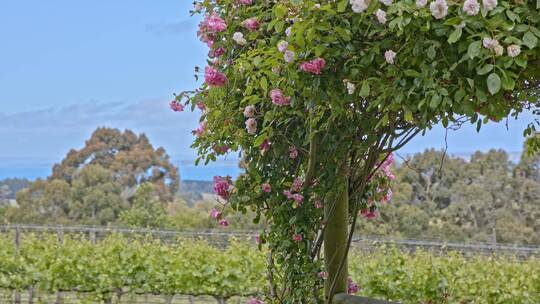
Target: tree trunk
[{"x": 336, "y": 214}]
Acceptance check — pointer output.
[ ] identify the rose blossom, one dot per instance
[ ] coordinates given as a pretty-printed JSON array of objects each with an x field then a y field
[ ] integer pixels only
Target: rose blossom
[
  {"x": 251, "y": 126},
  {"x": 246, "y": 2},
  {"x": 203, "y": 127},
  {"x": 176, "y": 106},
  {"x": 318, "y": 204},
  {"x": 288, "y": 56},
  {"x": 381, "y": 16},
  {"x": 213, "y": 77},
  {"x": 266, "y": 188},
  {"x": 352, "y": 287},
  {"x": 298, "y": 198},
  {"x": 278, "y": 98},
  {"x": 368, "y": 214},
  {"x": 297, "y": 184},
  {"x": 217, "y": 52},
  {"x": 359, "y": 6},
  {"x": 288, "y": 194},
  {"x": 513, "y": 50},
  {"x": 439, "y": 9},
  {"x": 249, "y": 111},
  {"x": 390, "y": 56},
  {"x": 386, "y": 2},
  {"x": 251, "y": 24},
  {"x": 489, "y": 4},
  {"x": 239, "y": 38},
  {"x": 223, "y": 222},
  {"x": 255, "y": 301},
  {"x": 258, "y": 239},
  {"x": 323, "y": 275},
  {"x": 282, "y": 46},
  {"x": 293, "y": 153},
  {"x": 421, "y": 3},
  {"x": 313, "y": 66},
  {"x": 201, "y": 106},
  {"x": 471, "y": 7},
  {"x": 221, "y": 187},
  {"x": 297, "y": 237},
  {"x": 215, "y": 214}
]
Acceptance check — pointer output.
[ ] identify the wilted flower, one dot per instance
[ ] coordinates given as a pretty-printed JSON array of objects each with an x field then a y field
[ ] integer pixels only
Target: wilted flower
[
  {"x": 293, "y": 153},
  {"x": 251, "y": 126},
  {"x": 249, "y": 111}
]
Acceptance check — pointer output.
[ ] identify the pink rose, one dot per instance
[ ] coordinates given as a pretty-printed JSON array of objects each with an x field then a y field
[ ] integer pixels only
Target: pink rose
[
  {"x": 298, "y": 198},
  {"x": 352, "y": 287},
  {"x": 217, "y": 52},
  {"x": 293, "y": 153},
  {"x": 265, "y": 146},
  {"x": 246, "y": 2},
  {"x": 251, "y": 126},
  {"x": 278, "y": 98},
  {"x": 215, "y": 214},
  {"x": 297, "y": 237},
  {"x": 251, "y": 24},
  {"x": 313, "y": 66},
  {"x": 318, "y": 204},
  {"x": 266, "y": 188},
  {"x": 221, "y": 187},
  {"x": 176, "y": 106},
  {"x": 368, "y": 214},
  {"x": 223, "y": 222},
  {"x": 297, "y": 184},
  {"x": 254, "y": 300},
  {"x": 213, "y": 77},
  {"x": 201, "y": 129},
  {"x": 323, "y": 275}
]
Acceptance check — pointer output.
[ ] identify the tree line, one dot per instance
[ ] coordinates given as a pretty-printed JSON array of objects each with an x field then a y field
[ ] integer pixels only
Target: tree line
[{"x": 118, "y": 178}]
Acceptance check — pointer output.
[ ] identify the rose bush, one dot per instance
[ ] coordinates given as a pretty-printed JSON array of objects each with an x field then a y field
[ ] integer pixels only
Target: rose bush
[{"x": 316, "y": 95}]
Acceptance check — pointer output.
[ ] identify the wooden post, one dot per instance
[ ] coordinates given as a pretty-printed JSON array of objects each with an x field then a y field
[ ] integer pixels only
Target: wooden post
[
  {"x": 336, "y": 214},
  {"x": 93, "y": 236},
  {"x": 30, "y": 295}
]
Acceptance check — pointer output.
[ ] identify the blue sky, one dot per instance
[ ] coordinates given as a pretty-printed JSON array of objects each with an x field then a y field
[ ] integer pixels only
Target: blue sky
[{"x": 67, "y": 67}]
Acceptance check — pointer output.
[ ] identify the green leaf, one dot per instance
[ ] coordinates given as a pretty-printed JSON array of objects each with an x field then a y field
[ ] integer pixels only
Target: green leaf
[
  {"x": 530, "y": 40},
  {"x": 493, "y": 83},
  {"x": 342, "y": 6},
  {"x": 435, "y": 101},
  {"x": 455, "y": 35},
  {"x": 484, "y": 69},
  {"x": 365, "y": 89},
  {"x": 264, "y": 84},
  {"x": 508, "y": 83},
  {"x": 343, "y": 33},
  {"x": 260, "y": 139},
  {"x": 474, "y": 49}
]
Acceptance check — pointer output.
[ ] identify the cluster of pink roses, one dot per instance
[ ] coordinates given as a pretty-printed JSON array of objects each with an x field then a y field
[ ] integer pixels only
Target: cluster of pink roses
[
  {"x": 176, "y": 106},
  {"x": 278, "y": 98},
  {"x": 352, "y": 287},
  {"x": 213, "y": 77},
  {"x": 251, "y": 122},
  {"x": 209, "y": 27},
  {"x": 293, "y": 193},
  {"x": 313, "y": 66},
  {"x": 222, "y": 186},
  {"x": 218, "y": 216}
]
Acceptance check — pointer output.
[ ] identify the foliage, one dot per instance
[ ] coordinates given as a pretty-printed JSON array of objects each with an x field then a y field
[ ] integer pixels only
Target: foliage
[
  {"x": 485, "y": 199},
  {"x": 193, "y": 267},
  {"x": 323, "y": 92},
  {"x": 93, "y": 185},
  {"x": 146, "y": 211}
]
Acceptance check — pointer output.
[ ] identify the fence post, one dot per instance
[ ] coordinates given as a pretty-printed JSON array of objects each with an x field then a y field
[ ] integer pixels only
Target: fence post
[{"x": 93, "y": 236}]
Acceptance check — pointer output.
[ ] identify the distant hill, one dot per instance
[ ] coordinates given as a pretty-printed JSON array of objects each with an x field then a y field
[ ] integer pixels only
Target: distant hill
[{"x": 10, "y": 186}]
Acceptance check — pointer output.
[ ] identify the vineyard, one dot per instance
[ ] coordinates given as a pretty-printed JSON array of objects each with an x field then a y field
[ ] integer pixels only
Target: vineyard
[{"x": 140, "y": 268}]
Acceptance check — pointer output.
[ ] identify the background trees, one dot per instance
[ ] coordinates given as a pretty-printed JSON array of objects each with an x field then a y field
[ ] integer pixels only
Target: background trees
[{"x": 94, "y": 185}]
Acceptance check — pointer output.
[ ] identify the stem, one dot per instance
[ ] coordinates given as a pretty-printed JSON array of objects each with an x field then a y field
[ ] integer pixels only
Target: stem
[{"x": 335, "y": 239}]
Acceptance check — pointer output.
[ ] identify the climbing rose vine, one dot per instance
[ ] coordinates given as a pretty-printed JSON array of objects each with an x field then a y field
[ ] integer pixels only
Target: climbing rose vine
[{"x": 315, "y": 96}]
